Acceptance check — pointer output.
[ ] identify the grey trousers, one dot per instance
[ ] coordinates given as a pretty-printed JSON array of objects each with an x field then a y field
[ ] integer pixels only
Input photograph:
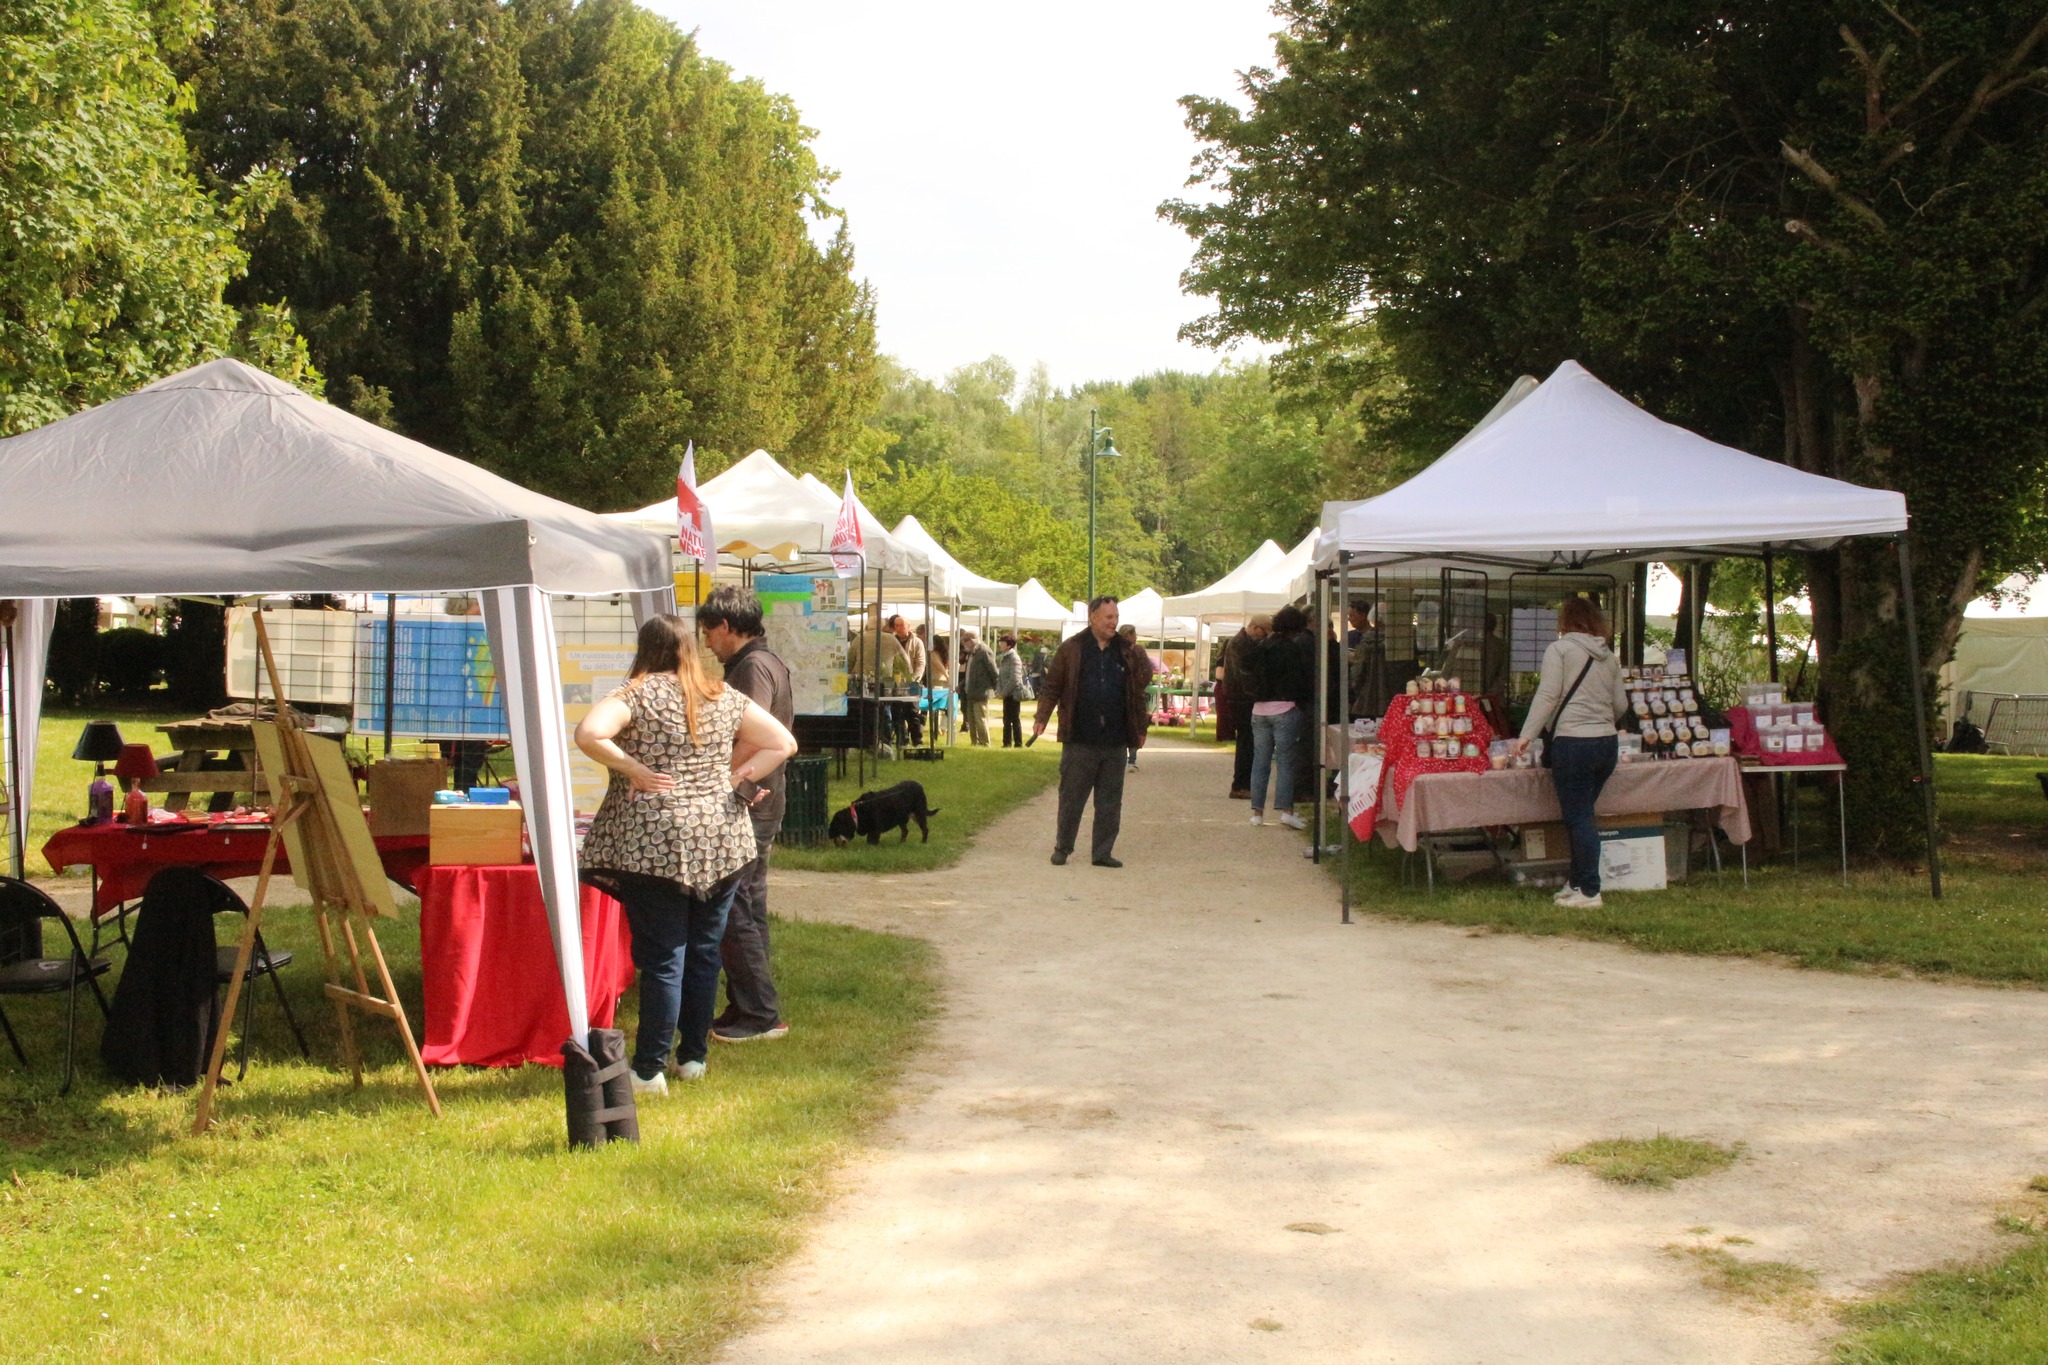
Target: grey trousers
[
  {"x": 749, "y": 983},
  {"x": 975, "y": 713},
  {"x": 1086, "y": 769}
]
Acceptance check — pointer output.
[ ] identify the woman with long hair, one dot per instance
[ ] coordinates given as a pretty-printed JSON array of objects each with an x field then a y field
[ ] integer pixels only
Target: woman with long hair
[
  {"x": 1579, "y": 700},
  {"x": 687, "y": 755}
]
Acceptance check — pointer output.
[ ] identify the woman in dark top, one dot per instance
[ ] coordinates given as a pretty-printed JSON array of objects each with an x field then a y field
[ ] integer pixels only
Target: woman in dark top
[{"x": 1283, "y": 676}]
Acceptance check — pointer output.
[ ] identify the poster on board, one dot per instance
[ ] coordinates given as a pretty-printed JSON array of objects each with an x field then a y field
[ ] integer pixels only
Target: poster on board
[
  {"x": 804, "y": 616},
  {"x": 589, "y": 675}
]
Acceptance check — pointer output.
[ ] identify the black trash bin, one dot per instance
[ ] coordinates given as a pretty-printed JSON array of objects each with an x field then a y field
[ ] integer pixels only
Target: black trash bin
[{"x": 804, "y": 814}]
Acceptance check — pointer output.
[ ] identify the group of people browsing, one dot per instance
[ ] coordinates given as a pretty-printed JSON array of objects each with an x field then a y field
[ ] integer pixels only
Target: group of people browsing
[
  {"x": 1269, "y": 688},
  {"x": 682, "y": 836},
  {"x": 1002, "y": 676}
]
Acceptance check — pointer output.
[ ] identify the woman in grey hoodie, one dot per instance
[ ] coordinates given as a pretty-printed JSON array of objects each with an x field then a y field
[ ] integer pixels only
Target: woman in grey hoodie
[{"x": 1581, "y": 691}]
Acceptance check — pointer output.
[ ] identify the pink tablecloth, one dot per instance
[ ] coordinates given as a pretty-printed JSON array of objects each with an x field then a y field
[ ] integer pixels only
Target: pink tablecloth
[{"x": 1525, "y": 796}]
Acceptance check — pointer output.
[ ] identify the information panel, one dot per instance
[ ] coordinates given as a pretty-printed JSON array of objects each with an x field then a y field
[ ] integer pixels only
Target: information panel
[
  {"x": 804, "y": 616},
  {"x": 444, "y": 684}
]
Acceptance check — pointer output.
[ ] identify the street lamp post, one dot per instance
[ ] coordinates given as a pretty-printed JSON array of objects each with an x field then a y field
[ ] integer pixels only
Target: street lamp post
[{"x": 1099, "y": 443}]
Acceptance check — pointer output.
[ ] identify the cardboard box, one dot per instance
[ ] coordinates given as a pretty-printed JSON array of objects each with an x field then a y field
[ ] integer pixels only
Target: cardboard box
[
  {"x": 474, "y": 834},
  {"x": 401, "y": 792},
  {"x": 1632, "y": 853}
]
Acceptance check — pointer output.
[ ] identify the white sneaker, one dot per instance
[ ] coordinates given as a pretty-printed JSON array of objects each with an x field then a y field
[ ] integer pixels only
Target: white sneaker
[
  {"x": 1579, "y": 900},
  {"x": 1562, "y": 892},
  {"x": 1258, "y": 817},
  {"x": 688, "y": 1071},
  {"x": 1292, "y": 821},
  {"x": 658, "y": 1085}
]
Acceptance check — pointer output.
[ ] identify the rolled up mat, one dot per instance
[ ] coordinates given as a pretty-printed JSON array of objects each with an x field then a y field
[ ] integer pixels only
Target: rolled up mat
[{"x": 621, "y": 1117}]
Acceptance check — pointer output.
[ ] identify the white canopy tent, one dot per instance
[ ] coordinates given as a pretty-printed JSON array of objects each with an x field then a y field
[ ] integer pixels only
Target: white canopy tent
[
  {"x": 905, "y": 568},
  {"x": 1568, "y": 475},
  {"x": 1226, "y": 596},
  {"x": 1036, "y": 609},
  {"x": 224, "y": 481},
  {"x": 969, "y": 589}
]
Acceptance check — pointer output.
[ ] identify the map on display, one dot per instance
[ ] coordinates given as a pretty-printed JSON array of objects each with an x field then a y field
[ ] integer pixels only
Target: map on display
[{"x": 804, "y": 616}]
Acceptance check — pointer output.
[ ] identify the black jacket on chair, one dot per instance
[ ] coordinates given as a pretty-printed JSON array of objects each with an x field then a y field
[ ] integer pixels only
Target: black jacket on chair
[{"x": 163, "y": 1015}]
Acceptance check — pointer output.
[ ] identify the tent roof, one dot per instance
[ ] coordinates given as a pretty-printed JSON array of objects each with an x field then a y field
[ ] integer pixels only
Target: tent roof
[
  {"x": 904, "y": 566},
  {"x": 971, "y": 588},
  {"x": 757, "y": 510},
  {"x": 1036, "y": 609},
  {"x": 223, "y": 479},
  {"x": 1146, "y": 610},
  {"x": 1574, "y": 472},
  {"x": 1267, "y": 580}
]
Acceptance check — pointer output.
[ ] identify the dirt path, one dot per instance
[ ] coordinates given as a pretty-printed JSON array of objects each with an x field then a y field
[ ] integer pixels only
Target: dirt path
[{"x": 1145, "y": 1076}]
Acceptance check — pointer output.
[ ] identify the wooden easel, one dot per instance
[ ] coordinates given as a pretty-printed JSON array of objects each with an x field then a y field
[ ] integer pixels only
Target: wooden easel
[{"x": 320, "y": 823}]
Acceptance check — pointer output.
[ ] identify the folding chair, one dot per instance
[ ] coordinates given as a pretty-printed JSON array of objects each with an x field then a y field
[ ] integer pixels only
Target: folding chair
[
  {"x": 22, "y": 909},
  {"x": 221, "y": 899}
]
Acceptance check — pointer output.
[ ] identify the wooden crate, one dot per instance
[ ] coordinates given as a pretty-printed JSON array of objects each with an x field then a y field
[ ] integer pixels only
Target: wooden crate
[
  {"x": 401, "y": 793},
  {"x": 474, "y": 834}
]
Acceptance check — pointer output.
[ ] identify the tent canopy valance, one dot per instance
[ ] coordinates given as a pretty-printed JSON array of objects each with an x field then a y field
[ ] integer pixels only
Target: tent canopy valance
[
  {"x": 1574, "y": 474},
  {"x": 225, "y": 480}
]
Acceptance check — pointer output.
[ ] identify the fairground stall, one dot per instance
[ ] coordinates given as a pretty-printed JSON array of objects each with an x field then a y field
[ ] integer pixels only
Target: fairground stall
[
  {"x": 1445, "y": 592},
  {"x": 224, "y": 482}
]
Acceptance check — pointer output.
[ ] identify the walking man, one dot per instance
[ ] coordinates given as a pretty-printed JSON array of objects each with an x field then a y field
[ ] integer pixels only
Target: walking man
[
  {"x": 729, "y": 623},
  {"x": 977, "y": 673},
  {"x": 1013, "y": 689},
  {"x": 1096, "y": 682}
]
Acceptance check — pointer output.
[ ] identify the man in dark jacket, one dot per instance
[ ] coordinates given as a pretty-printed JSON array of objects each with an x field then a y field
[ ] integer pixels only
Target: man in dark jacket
[
  {"x": 729, "y": 622},
  {"x": 1238, "y": 687},
  {"x": 1096, "y": 682}
]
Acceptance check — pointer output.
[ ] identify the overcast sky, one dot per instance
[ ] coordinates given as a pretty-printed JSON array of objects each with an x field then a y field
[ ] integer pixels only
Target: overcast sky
[{"x": 1001, "y": 164}]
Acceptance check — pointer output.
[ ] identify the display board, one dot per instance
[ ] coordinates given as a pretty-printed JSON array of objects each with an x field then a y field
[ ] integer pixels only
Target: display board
[
  {"x": 444, "y": 684},
  {"x": 804, "y": 616}
]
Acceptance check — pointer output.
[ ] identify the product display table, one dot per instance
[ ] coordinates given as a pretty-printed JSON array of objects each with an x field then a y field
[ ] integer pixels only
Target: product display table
[
  {"x": 487, "y": 966},
  {"x": 1437, "y": 802},
  {"x": 125, "y": 857}
]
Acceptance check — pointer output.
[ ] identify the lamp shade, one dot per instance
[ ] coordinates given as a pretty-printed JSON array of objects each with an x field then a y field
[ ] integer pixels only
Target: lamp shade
[
  {"x": 136, "y": 761},
  {"x": 99, "y": 742}
]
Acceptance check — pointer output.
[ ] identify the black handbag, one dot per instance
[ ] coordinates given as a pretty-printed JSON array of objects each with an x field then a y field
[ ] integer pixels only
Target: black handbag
[{"x": 1549, "y": 732}]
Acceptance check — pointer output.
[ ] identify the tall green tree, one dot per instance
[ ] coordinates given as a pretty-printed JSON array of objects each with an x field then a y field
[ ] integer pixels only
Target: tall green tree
[
  {"x": 1813, "y": 230},
  {"x": 551, "y": 237},
  {"x": 113, "y": 258}
]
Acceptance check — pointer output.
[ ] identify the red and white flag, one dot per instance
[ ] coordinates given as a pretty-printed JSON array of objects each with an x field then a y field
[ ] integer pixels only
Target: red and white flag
[
  {"x": 847, "y": 545},
  {"x": 693, "y": 514}
]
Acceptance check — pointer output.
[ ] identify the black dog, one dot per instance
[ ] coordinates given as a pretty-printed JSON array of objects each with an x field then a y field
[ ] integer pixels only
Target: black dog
[{"x": 891, "y": 808}]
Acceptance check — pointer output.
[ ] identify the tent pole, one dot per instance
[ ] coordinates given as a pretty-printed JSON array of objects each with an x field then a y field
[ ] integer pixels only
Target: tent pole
[
  {"x": 17, "y": 816},
  {"x": 931, "y": 644},
  {"x": 390, "y": 663},
  {"x": 1771, "y": 611},
  {"x": 1344, "y": 748},
  {"x": 1919, "y": 716},
  {"x": 1321, "y": 614}
]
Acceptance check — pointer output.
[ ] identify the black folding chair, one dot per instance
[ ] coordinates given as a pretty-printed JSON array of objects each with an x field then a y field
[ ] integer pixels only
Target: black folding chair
[
  {"x": 263, "y": 961},
  {"x": 22, "y": 909}
]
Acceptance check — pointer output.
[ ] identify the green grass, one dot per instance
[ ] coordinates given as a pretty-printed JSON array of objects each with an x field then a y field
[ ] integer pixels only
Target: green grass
[
  {"x": 970, "y": 788},
  {"x": 1990, "y": 1314},
  {"x": 1991, "y": 925},
  {"x": 1654, "y": 1162},
  {"x": 319, "y": 1222}
]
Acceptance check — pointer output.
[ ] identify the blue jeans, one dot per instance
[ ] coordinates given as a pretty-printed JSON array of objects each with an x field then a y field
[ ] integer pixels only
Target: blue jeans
[
  {"x": 676, "y": 934},
  {"x": 1580, "y": 768},
  {"x": 1274, "y": 741}
]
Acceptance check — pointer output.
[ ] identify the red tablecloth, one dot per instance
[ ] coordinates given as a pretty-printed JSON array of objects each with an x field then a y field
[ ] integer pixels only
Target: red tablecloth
[
  {"x": 127, "y": 856},
  {"x": 487, "y": 966},
  {"x": 1744, "y": 739},
  {"x": 1405, "y": 765}
]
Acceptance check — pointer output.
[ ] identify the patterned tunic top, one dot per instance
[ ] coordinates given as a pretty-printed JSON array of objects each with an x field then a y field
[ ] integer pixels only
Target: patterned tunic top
[{"x": 697, "y": 832}]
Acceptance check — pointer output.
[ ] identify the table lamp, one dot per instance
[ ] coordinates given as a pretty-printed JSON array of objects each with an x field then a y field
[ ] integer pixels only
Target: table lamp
[
  {"x": 99, "y": 744},
  {"x": 135, "y": 763}
]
